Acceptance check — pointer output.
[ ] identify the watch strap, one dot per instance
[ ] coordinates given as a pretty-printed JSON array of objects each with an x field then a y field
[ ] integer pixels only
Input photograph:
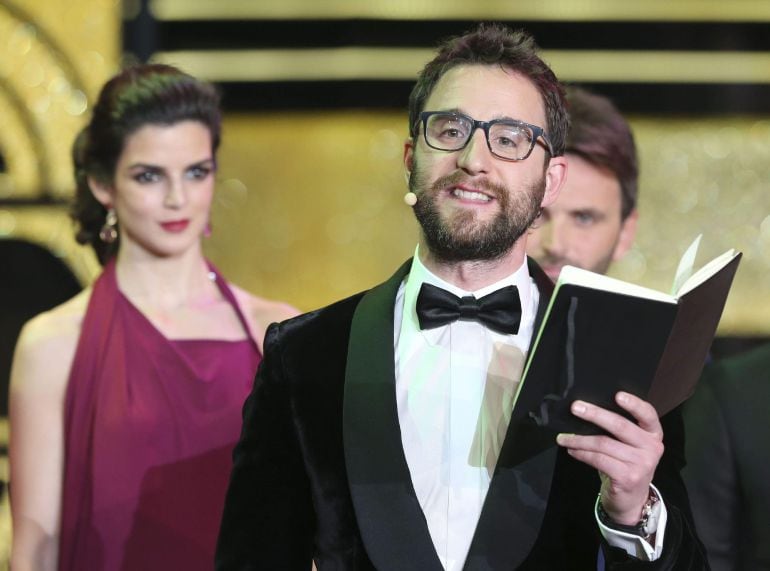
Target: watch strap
[{"x": 645, "y": 527}]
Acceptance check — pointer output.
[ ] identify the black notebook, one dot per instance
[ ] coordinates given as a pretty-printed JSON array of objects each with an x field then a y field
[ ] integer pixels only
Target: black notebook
[{"x": 601, "y": 335}]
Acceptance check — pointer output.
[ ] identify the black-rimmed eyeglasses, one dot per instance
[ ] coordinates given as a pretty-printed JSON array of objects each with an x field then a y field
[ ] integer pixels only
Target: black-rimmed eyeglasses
[{"x": 507, "y": 139}]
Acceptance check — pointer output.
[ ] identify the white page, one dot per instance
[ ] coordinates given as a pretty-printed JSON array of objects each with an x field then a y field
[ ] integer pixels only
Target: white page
[
  {"x": 577, "y": 276},
  {"x": 685, "y": 267},
  {"x": 707, "y": 271}
]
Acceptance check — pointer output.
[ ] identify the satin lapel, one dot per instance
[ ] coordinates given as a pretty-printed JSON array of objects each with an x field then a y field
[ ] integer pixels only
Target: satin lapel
[
  {"x": 392, "y": 524},
  {"x": 518, "y": 493},
  {"x": 545, "y": 286}
]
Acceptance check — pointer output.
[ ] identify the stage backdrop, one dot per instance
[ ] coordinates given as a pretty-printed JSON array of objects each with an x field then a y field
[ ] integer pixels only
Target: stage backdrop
[{"x": 309, "y": 205}]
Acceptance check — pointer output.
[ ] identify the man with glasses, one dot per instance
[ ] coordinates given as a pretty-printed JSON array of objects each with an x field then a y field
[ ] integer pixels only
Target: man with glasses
[{"x": 381, "y": 432}]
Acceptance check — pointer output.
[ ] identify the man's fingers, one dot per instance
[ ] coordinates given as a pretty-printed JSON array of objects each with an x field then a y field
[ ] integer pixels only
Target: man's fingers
[
  {"x": 619, "y": 426},
  {"x": 644, "y": 413}
]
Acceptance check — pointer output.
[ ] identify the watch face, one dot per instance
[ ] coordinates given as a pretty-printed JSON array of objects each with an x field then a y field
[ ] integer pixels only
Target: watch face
[{"x": 650, "y": 515}]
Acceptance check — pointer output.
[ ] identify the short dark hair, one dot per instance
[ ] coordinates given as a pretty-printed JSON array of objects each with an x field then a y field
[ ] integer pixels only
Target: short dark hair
[
  {"x": 148, "y": 94},
  {"x": 600, "y": 135},
  {"x": 495, "y": 44}
]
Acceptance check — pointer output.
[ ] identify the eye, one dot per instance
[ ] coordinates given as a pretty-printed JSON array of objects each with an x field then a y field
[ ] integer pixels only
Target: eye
[
  {"x": 450, "y": 133},
  {"x": 509, "y": 136},
  {"x": 583, "y": 218},
  {"x": 147, "y": 176},
  {"x": 198, "y": 172},
  {"x": 448, "y": 128},
  {"x": 506, "y": 142}
]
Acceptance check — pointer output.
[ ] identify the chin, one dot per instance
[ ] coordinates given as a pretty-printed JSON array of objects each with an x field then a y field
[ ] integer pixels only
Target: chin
[
  {"x": 167, "y": 250},
  {"x": 553, "y": 274}
]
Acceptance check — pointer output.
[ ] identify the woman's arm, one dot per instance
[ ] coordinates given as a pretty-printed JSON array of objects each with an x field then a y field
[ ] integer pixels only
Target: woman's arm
[{"x": 39, "y": 374}]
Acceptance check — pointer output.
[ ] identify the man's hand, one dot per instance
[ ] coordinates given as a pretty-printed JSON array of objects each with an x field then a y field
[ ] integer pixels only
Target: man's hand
[{"x": 626, "y": 460}]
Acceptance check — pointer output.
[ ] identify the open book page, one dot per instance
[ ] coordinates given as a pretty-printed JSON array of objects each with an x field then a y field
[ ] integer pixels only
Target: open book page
[
  {"x": 684, "y": 281},
  {"x": 706, "y": 272},
  {"x": 699, "y": 311},
  {"x": 686, "y": 265},
  {"x": 577, "y": 276},
  {"x": 600, "y": 335},
  {"x": 593, "y": 342}
]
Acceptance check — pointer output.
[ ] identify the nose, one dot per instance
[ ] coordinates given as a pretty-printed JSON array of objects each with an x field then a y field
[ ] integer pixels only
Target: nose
[
  {"x": 475, "y": 157},
  {"x": 176, "y": 194}
]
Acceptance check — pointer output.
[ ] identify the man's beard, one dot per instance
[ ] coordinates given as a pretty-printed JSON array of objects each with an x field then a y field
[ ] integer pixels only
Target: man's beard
[{"x": 462, "y": 238}]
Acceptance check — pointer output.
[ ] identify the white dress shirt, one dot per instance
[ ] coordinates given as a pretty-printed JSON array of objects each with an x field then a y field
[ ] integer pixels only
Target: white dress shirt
[{"x": 455, "y": 387}]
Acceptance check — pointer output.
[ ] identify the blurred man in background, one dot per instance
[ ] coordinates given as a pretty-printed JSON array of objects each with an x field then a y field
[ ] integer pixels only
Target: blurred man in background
[{"x": 593, "y": 222}]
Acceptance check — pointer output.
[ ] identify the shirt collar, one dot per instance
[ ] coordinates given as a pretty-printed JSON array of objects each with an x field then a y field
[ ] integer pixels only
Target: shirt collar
[{"x": 419, "y": 274}]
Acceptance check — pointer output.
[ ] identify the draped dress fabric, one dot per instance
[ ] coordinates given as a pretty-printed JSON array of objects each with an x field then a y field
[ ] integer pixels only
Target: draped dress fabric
[{"x": 150, "y": 424}]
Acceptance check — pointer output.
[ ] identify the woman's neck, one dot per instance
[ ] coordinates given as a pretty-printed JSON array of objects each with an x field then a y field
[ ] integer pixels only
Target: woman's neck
[{"x": 166, "y": 283}]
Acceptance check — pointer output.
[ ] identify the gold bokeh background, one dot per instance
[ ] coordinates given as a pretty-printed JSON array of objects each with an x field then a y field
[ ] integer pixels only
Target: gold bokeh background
[
  {"x": 309, "y": 204},
  {"x": 315, "y": 217}
]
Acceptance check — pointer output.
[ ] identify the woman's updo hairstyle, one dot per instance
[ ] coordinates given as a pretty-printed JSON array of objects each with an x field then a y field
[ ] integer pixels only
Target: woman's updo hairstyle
[{"x": 150, "y": 94}]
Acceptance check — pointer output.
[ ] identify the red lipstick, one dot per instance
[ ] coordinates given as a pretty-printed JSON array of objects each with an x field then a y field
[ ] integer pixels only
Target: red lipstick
[{"x": 175, "y": 226}]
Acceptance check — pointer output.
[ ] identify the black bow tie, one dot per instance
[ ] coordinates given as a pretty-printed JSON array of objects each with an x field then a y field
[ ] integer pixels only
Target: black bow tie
[{"x": 500, "y": 310}]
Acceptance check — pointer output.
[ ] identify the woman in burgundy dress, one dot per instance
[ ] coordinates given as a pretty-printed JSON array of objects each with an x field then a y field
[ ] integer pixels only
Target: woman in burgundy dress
[{"x": 126, "y": 400}]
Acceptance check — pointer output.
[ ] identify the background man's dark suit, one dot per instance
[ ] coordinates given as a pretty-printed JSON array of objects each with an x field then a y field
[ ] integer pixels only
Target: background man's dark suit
[
  {"x": 320, "y": 470},
  {"x": 728, "y": 456}
]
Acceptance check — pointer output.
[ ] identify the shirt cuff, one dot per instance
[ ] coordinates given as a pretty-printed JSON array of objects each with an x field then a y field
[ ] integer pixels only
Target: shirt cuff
[{"x": 632, "y": 544}]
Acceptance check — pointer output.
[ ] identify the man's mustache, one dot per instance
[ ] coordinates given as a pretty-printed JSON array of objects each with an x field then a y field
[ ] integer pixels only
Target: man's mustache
[{"x": 458, "y": 178}]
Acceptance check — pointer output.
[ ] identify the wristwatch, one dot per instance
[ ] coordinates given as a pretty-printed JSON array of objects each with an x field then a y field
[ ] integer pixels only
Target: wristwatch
[{"x": 645, "y": 527}]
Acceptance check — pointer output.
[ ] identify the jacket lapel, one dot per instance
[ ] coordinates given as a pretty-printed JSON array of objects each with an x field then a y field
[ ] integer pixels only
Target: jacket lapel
[
  {"x": 545, "y": 286},
  {"x": 518, "y": 493},
  {"x": 392, "y": 524}
]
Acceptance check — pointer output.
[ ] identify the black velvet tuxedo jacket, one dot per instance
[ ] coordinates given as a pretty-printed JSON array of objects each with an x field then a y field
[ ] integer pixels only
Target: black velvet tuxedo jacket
[
  {"x": 320, "y": 472},
  {"x": 728, "y": 456}
]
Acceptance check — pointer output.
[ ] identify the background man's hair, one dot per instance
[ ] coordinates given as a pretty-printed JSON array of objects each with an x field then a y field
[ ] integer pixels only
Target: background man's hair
[{"x": 600, "y": 135}]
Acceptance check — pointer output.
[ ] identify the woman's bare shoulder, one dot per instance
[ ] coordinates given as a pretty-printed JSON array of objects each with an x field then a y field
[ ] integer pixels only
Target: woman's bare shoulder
[
  {"x": 47, "y": 342},
  {"x": 60, "y": 322},
  {"x": 261, "y": 312}
]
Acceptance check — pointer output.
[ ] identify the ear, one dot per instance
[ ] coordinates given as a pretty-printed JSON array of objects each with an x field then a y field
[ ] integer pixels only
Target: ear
[
  {"x": 103, "y": 193},
  {"x": 408, "y": 157},
  {"x": 555, "y": 175},
  {"x": 626, "y": 236}
]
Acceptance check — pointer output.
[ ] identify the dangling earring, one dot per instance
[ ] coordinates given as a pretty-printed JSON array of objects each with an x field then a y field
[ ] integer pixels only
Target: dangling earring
[{"x": 109, "y": 232}]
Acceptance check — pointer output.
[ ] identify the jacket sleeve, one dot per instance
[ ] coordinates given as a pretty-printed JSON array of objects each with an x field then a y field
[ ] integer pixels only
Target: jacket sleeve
[
  {"x": 268, "y": 513},
  {"x": 682, "y": 549}
]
